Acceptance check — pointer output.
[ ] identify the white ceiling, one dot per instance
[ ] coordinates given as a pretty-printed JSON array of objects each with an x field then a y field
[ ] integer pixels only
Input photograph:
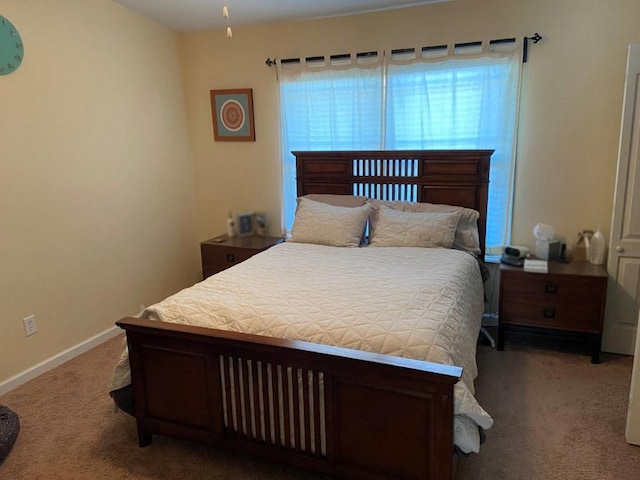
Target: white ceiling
[{"x": 194, "y": 15}]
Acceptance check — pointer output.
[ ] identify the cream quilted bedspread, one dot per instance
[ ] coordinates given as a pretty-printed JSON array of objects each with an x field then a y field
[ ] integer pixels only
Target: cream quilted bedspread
[{"x": 422, "y": 303}]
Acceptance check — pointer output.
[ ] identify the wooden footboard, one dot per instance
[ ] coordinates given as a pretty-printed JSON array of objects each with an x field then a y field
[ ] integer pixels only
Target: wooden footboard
[{"x": 344, "y": 412}]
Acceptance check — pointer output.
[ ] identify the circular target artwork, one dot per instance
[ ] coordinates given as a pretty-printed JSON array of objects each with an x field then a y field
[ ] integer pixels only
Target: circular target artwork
[
  {"x": 232, "y": 112},
  {"x": 232, "y": 115}
]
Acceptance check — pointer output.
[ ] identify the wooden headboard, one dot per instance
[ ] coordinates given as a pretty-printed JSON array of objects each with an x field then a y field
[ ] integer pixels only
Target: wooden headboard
[{"x": 452, "y": 177}]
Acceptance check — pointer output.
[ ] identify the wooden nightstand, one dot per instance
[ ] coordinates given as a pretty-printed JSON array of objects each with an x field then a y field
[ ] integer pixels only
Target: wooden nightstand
[
  {"x": 567, "y": 302},
  {"x": 221, "y": 252}
]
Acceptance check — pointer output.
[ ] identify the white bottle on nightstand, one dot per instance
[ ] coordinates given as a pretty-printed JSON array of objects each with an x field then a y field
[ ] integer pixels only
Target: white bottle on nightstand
[
  {"x": 597, "y": 248},
  {"x": 231, "y": 226}
]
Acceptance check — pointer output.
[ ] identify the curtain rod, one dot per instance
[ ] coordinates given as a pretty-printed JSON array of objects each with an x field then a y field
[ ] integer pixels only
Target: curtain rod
[
  {"x": 525, "y": 49},
  {"x": 535, "y": 39}
]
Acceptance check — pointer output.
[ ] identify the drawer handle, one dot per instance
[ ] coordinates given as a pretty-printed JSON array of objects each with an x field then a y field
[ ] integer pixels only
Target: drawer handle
[
  {"x": 231, "y": 257},
  {"x": 551, "y": 288},
  {"x": 549, "y": 312}
]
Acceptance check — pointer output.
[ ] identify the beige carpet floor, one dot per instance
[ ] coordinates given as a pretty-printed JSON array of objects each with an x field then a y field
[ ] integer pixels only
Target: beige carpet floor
[{"x": 556, "y": 417}]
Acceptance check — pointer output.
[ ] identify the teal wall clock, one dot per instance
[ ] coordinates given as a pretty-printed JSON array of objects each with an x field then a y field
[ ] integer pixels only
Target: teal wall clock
[{"x": 11, "y": 47}]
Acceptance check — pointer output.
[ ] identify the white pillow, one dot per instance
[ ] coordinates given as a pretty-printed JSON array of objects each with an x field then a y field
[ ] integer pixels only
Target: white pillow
[
  {"x": 325, "y": 224},
  {"x": 337, "y": 200},
  {"x": 395, "y": 228},
  {"x": 466, "y": 238}
]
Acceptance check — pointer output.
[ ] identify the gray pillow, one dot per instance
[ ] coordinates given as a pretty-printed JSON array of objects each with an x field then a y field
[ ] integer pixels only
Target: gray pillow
[
  {"x": 337, "y": 200},
  {"x": 466, "y": 238},
  {"x": 325, "y": 224},
  {"x": 395, "y": 228}
]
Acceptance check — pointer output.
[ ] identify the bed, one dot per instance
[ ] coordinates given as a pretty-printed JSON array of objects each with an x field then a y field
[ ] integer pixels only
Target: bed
[{"x": 293, "y": 362}]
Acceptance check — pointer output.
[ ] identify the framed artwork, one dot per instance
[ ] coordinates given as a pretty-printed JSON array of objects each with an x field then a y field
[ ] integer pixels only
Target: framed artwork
[
  {"x": 245, "y": 224},
  {"x": 232, "y": 112}
]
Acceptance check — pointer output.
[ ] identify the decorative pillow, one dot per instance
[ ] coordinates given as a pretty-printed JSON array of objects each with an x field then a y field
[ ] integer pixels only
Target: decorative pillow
[
  {"x": 466, "y": 238},
  {"x": 338, "y": 200},
  {"x": 325, "y": 224},
  {"x": 395, "y": 228}
]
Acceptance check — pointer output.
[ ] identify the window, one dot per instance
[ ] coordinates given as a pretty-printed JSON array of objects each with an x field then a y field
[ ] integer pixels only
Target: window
[{"x": 454, "y": 101}]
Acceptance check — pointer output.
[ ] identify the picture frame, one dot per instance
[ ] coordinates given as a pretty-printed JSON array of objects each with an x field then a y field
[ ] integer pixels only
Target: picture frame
[
  {"x": 246, "y": 224},
  {"x": 232, "y": 112}
]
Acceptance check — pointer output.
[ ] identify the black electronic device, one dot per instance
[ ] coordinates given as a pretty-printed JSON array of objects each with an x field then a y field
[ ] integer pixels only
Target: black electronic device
[
  {"x": 514, "y": 255},
  {"x": 516, "y": 251},
  {"x": 513, "y": 261}
]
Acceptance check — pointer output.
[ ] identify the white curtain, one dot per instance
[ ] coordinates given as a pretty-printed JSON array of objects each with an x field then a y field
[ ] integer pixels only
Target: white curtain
[
  {"x": 441, "y": 100},
  {"x": 327, "y": 107},
  {"x": 461, "y": 101}
]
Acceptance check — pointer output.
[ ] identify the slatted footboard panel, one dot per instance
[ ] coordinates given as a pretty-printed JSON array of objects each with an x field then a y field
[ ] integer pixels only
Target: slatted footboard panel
[
  {"x": 277, "y": 405},
  {"x": 344, "y": 412}
]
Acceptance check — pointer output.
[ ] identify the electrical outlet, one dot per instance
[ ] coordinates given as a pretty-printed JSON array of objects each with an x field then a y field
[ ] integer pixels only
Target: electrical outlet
[{"x": 30, "y": 326}]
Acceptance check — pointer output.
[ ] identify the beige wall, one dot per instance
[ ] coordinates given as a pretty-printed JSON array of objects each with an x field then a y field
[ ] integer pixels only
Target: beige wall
[
  {"x": 571, "y": 100},
  {"x": 97, "y": 185}
]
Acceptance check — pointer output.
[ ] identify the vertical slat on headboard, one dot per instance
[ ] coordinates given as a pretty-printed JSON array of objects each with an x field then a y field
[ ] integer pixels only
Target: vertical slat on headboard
[{"x": 453, "y": 177}]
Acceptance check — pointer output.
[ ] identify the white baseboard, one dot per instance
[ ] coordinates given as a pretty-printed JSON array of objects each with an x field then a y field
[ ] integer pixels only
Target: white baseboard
[{"x": 57, "y": 360}]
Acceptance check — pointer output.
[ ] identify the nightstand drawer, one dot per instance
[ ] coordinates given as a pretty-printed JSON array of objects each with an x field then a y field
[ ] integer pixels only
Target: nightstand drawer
[
  {"x": 227, "y": 254},
  {"x": 579, "y": 317},
  {"x": 222, "y": 252},
  {"x": 553, "y": 288},
  {"x": 216, "y": 260}
]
